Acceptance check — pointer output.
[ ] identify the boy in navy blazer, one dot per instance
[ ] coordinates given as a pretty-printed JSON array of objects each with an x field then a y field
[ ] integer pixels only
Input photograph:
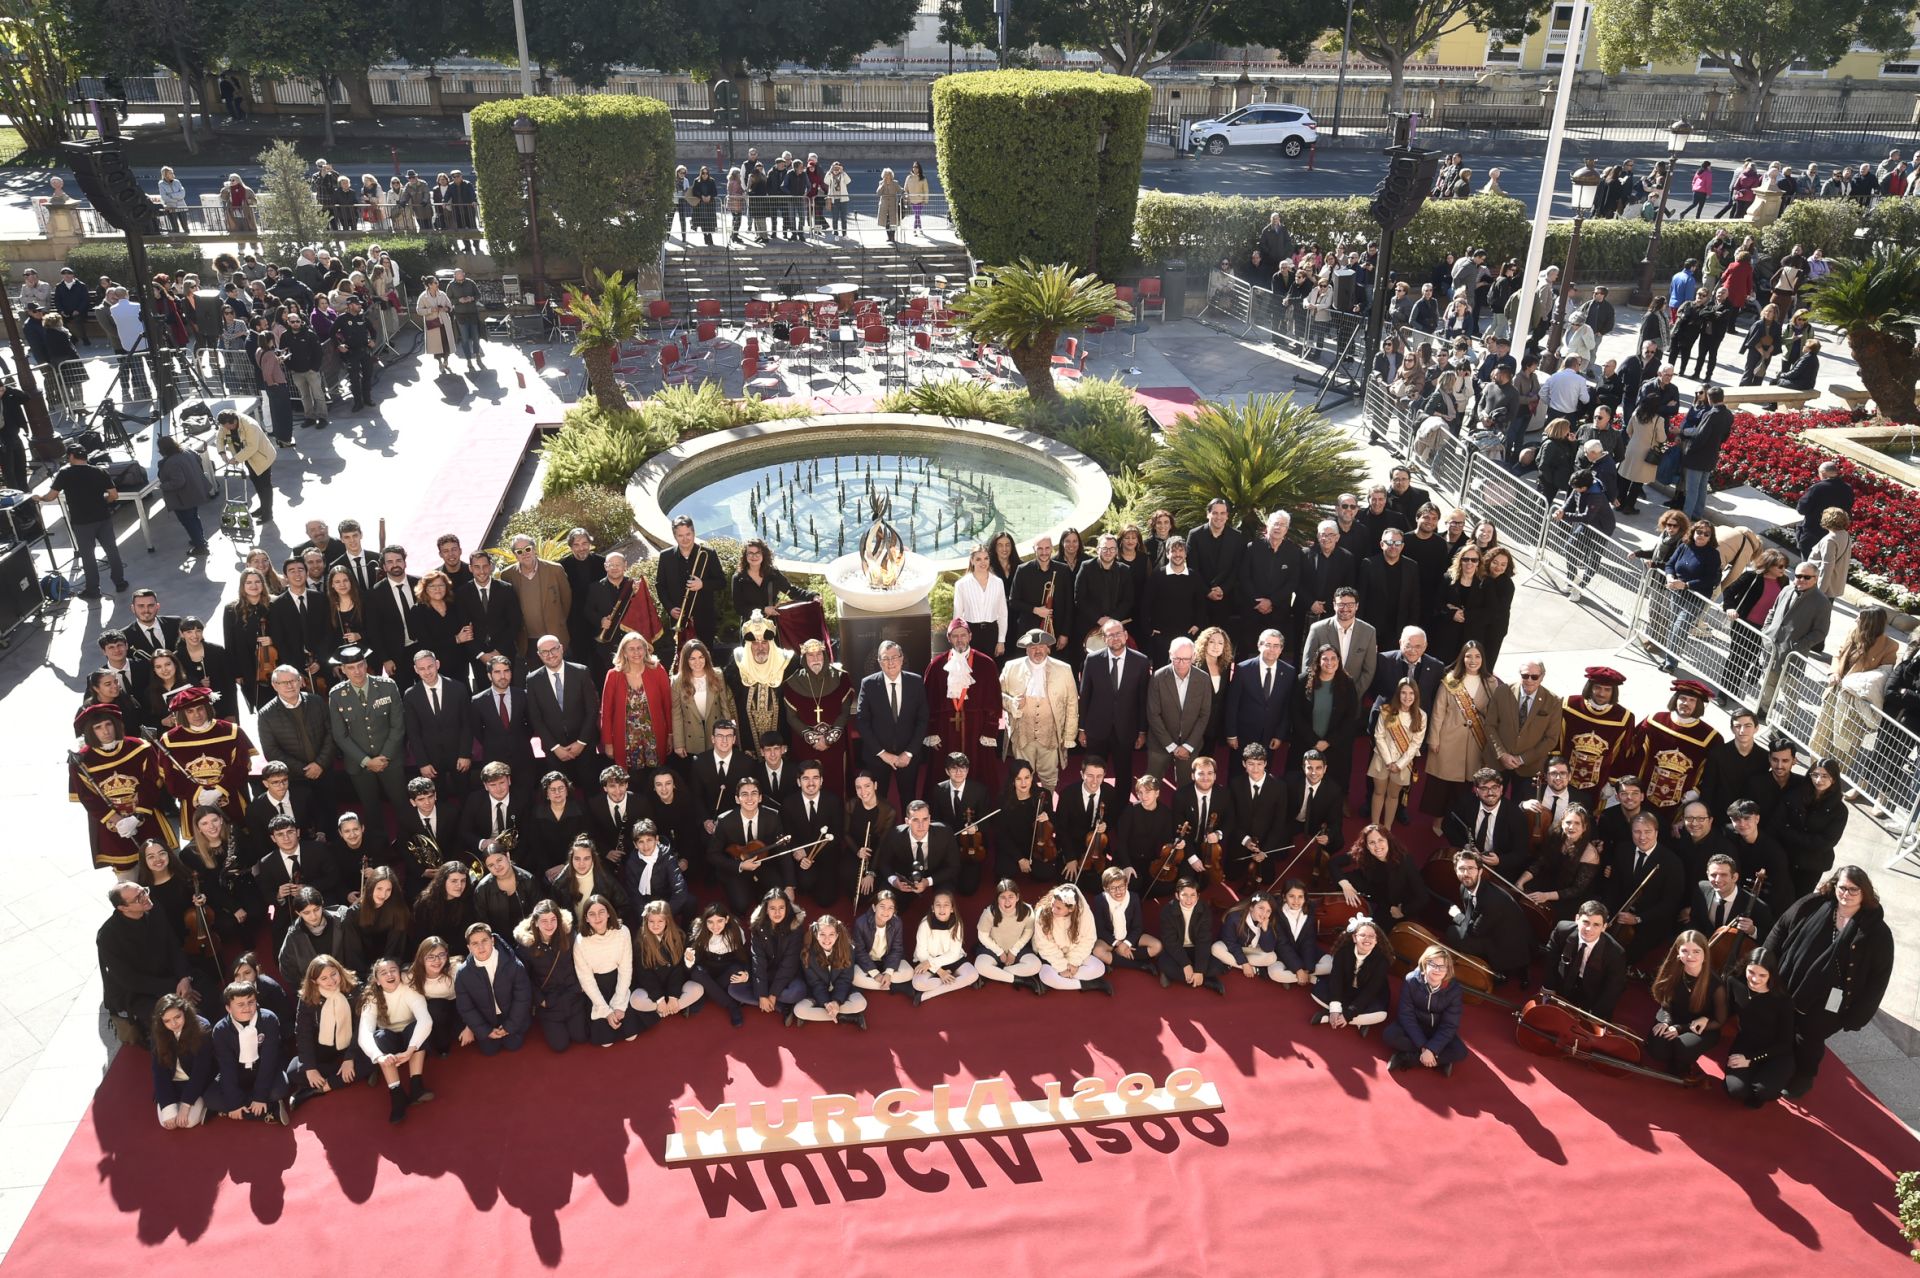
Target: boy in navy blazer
[
  {"x": 249, "y": 1082},
  {"x": 493, "y": 993}
]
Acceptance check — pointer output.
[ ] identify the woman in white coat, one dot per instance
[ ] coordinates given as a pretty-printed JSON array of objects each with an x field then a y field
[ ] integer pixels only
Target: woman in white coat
[{"x": 435, "y": 310}]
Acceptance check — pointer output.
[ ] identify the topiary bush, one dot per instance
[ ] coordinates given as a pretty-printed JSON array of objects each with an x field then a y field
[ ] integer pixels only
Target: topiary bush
[
  {"x": 1895, "y": 219},
  {"x": 596, "y": 447},
  {"x": 604, "y": 164},
  {"x": 1813, "y": 224},
  {"x": 681, "y": 412},
  {"x": 604, "y": 512},
  {"x": 418, "y": 255},
  {"x": 1611, "y": 249},
  {"x": 91, "y": 261},
  {"x": 1206, "y": 228},
  {"x": 1042, "y": 164}
]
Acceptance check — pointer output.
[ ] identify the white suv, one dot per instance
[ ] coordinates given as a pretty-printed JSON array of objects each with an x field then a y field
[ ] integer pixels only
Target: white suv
[{"x": 1290, "y": 128}]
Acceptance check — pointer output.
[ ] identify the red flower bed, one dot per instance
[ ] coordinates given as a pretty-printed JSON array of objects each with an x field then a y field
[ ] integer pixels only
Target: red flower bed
[{"x": 1762, "y": 452}]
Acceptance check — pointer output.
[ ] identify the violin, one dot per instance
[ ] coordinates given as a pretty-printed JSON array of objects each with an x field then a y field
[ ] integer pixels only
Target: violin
[
  {"x": 1551, "y": 1026},
  {"x": 1094, "y": 856},
  {"x": 1216, "y": 871},
  {"x": 756, "y": 850},
  {"x": 972, "y": 839},
  {"x": 199, "y": 941},
  {"x": 1729, "y": 945},
  {"x": 1167, "y": 863},
  {"x": 1410, "y": 940},
  {"x": 1041, "y": 846}
]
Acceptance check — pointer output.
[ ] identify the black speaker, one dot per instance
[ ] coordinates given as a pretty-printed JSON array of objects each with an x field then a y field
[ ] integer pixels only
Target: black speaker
[
  {"x": 1400, "y": 194},
  {"x": 19, "y": 587},
  {"x": 1344, "y": 285},
  {"x": 20, "y": 518},
  {"x": 101, "y": 168}
]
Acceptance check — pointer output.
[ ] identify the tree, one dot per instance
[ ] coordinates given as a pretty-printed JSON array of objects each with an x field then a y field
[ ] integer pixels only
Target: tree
[
  {"x": 129, "y": 37},
  {"x": 586, "y": 40},
  {"x": 606, "y": 320},
  {"x": 327, "y": 41},
  {"x": 33, "y": 92},
  {"x": 1135, "y": 36},
  {"x": 1392, "y": 31},
  {"x": 1756, "y": 39},
  {"x": 1271, "y": 455},
  {"x": 290, "y": 218},
  {"x": 1291, "y": 29},
  {"x": 730, "y": 38},
  {"x": 1025, "y": 308},
  {"x": 1875, "y": 301}
]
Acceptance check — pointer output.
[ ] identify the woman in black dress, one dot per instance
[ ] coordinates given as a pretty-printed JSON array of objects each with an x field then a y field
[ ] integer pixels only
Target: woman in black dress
[
  {"x": 1023, "y": 813},
  {"x": 544, "y": 943},
  {"x": 1354, "y": 994},
  {"x": 164, "y": 678},
  {"x": 869, "y": 820},
  {"x": 243, "y": 625},
  {"x": 1457, "y": 616},
  {"x": 1813, "y": 826},
  {"x": 445, "y": 906},
  {"x": 551, "y": 826},
  {"x": 1760, "y": 1058},
  {"x": 1561, "y": 877},
  {"x": 206, "y": 664},
  {"x": 439, "y": 622},
  {"x": 1836, "y": 957},
  {"x": 758, "y": 585},
  {"x": 1004, "y": 559},
  {"x": 1213, "y": 658},
  {"x": 346, "y": 613},
  {"x": 1377, "y": 875},
  {"x": 1497, "y": 603},
  {"x": 1159, "y": 533},
  {"x": 380, "y": 920}
]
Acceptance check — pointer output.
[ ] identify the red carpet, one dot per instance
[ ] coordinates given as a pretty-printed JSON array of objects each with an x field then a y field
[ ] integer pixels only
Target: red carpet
[
  {"x": 1164, "y": 403},
  {"x": 1516, "y": 1164},
  {"x": 465, "y": 495}
]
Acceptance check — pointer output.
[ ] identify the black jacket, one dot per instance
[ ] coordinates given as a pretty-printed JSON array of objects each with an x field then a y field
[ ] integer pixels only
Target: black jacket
[
  {"x": 1812, "y": 962},
  {"x": 1605, "y": 980}
]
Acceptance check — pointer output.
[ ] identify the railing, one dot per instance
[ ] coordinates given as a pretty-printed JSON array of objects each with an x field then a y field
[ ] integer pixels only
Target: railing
[{"x": 1879, "y": 759}]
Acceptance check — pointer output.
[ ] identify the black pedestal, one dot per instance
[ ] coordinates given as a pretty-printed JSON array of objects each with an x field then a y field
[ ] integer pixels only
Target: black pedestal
[{"x": 862, "y": 633}]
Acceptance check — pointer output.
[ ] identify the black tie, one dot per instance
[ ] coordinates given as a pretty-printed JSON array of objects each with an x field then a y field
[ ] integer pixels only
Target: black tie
[
  {"x": 812, "y": 813},
  {"x": 1480, "y": 830},
  {"x": 483, "y": 597},
  {"x": 433, "y": 699},
  {"x": 749, "y": 829},
  {"x": 618, "y": 825},
  {"x": 1203, "y": 813},
  {"x": 300, "y": 606},
  {"x": 1720, "y": 913},
  {"x": 153, "y": 638},
  {"x": 400, "y": 602},
  {"x": 1585, "y": 949},
  {"x": 893, "y": 695},
  {"x": 499, "y": 817},
  {"x": 1266, "y": 683},
  {"x": 1119, "y": 664}
]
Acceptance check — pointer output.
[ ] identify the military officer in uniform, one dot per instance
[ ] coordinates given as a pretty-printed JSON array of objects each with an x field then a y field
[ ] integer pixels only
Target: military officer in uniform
[{"x": 365, "y": 717}]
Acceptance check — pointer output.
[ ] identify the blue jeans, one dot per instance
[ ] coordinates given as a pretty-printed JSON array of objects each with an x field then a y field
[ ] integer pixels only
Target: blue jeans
[
  {"x": 466, "y": 336},
  {"x": 1697, "y": 486},
  {"x": 189, "y": 517}
]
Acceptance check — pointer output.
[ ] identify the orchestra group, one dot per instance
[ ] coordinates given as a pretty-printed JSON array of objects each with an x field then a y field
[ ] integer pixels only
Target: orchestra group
[{"x": 488, "y": 799}]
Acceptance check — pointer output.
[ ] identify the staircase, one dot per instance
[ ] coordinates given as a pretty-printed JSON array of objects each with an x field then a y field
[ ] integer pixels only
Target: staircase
[{"x": 735, "y": 274}]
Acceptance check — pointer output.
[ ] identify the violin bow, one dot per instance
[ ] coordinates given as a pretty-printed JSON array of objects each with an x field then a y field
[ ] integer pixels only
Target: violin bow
[
  {"x": 804, "y": 847},
  {"x": 1633, "y": 896},
  {"x": 1521, "y": 897},
  {"x": 1162, "y": 873},
  {"x": 977, "y": 822},
  {"x": 1298, "y": 853}
]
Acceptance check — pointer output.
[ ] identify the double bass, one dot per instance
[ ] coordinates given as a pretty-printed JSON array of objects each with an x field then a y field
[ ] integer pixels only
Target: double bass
[{"x": 1550, "y": 1026}]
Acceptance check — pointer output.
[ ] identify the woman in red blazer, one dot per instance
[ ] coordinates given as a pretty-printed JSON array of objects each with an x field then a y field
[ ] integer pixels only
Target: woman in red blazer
[{"x": 636, "y": 725}]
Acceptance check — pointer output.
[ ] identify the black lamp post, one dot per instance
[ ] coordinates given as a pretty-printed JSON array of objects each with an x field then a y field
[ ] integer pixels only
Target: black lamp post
[
  {"x": 524, "y": 130},
  {"x": 1586, "y": 185},
  {"x": 1677, "y": 134}
]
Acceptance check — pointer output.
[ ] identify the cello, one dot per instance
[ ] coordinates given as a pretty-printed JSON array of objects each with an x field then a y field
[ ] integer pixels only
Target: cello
[
  {"x": 1539, "y": 917},
  {"x": 1729, "y": 945},
  {"x": 1551, "y": 1026},
  {"x": 1410, "y": 940}
]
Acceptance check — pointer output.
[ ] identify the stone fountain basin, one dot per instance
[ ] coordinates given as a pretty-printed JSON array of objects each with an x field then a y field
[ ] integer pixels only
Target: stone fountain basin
[{"x": 848, "y": 577}]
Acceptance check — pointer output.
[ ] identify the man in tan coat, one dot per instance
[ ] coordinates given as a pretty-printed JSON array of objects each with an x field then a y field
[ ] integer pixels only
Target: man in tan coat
[
  {"x": 1535, "y": 711},
  {"x": 544, "y": 594},
  {"x": 1043, "y": 710}
]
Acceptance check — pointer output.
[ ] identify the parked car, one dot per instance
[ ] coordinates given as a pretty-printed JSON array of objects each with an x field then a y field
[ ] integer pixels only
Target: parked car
[{"x": 1290, "y": 128}]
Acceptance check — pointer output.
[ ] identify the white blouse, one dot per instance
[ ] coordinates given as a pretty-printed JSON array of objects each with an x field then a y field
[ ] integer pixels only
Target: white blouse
[
  {"x": 938, "y": 947},
  {"x": 405, "y": 1006},
  {"x": 974, "y": 603}
]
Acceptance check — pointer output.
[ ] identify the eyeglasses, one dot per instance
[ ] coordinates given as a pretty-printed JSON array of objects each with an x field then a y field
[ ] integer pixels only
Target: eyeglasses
[
  {"x": 1529, "y": 678},
  {"x": 1470, "y": 559},
  {"x": 1805, "y": 576},
  {"x": 1839, "y": 889}
]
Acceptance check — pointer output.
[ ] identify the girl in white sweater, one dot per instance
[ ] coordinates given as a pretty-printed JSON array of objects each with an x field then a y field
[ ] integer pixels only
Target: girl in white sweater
[
  {"x": 394, "y": 1025},
  {"x": 940, "y": 952},
  {"x": 603, "y": 959},
  {"x": 1064, "y": 941},
  {"x": 1006, "y": 940}
]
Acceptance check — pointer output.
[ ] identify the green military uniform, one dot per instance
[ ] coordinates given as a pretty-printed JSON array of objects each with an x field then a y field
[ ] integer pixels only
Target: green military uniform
[{"x": 366, "y": 722}]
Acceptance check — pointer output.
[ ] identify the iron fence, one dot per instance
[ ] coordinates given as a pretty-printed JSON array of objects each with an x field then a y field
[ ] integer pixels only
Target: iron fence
[{"x": 1879, "y": 758}]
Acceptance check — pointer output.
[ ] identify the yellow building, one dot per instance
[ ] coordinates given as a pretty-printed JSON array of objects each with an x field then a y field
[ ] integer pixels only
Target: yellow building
[{"x": 1545, "y": 49}]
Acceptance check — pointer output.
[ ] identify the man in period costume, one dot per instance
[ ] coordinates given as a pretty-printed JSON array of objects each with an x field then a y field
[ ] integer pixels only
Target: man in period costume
[
  {"x": 759, "y": 669},
  {"x": 1672, "y": 749},
  {"x": 213, "y": 755},
  {"x": 963, "y": 710},
  {"x": 818, "y": 699},
  {"x": 1597, "y": 735},
  {"x": 121, "y": 781}
]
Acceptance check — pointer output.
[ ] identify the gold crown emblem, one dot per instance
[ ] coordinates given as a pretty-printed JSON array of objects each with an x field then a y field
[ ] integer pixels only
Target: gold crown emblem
[
  {"x": 206, "y": 769},
  {"x": 119, "y": 788}
]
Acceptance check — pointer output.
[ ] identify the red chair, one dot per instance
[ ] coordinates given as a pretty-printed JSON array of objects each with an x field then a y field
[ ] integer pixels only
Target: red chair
[
  {"x": 921, "y": 350},
  {"x": 799, "y": 338},
  {"x": 1075, "y": 371},
  {"x": 759, "y": 316},
  {"x": 707, "y": 308},
  {"x": 878, "y": 341},
  {"x": 1071, "y": 357},
  {"x": 672, "y": 367},
  {"x": 1124, "y": 293},
  {"x": 660, "y": 317},
  {"x": 1151, "y": 299},
  {"x": 749, "y": 369},
  {"x": 706, "y": 330}
]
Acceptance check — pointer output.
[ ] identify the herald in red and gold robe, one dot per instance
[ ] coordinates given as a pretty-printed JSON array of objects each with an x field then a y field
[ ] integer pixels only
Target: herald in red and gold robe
[
  {"x": 965, "y": 720},
  {"x": 1597, "y": 744},
  {"x": 218, "y": 757},
  {"x": 1671, "y": 757},
  {"x": 130, "y": 780}
]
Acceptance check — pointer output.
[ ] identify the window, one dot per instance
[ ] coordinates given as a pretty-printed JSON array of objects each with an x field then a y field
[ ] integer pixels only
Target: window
[
  {"x": 1708, "y": 62},
  {"x": 1900, "y": 68},
  {"x": 1559, "y": 28},
  {"x": 1504, "y": 48},
  {"x": 1283, "y": 117}
]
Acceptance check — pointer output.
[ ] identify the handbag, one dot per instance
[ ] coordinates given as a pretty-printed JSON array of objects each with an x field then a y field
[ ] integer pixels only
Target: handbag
[{"x": 1654, "y": 453}]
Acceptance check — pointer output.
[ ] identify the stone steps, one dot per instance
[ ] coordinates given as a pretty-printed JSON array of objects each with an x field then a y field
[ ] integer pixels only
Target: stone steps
[{"x": 696, "y": 273}]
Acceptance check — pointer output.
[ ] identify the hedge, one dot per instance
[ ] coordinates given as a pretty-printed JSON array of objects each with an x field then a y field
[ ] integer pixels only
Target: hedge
[
  {"x": 1611, "y": 248},
  {"x": 1813, "y": 224},
  {"x": 604, "y": 512},
  {"x": 418, "y": 255},
  {"x": 1206, "y": 228},
  {"x": 1021, "y": 162},
  {"x": 604, "y": 164},
  {"x": 1897, "y": 220},
  {"x": 109, "y": 258}
]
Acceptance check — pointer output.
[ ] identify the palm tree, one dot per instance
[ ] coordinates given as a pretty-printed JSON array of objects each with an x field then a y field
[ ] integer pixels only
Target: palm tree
[
  {"x": 1271, "y": 455},
  {"x": 605, "y": 322},
  {"x": 1025, "y": 308},
  {"x": 1875, "y": 301}
]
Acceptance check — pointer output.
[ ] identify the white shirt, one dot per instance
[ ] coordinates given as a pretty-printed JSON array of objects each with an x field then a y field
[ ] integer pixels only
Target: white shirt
[
  {"x": 974, "y": 603},
  {"x": 1180, "y": 688},
  {"x": 126, "y": 322},
  {"x": 1037, "y": 678},
  {"x": 1343, "y": 635},
  {"x": 491, "y": 966},
  {"x": 1566, "y": 390}
]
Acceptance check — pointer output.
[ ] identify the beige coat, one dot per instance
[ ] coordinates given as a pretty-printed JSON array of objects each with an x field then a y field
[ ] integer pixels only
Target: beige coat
[
  {"x": 1063, "y": 703},
  {"x": 1832, "y": 556},
  {"x": 244, "y": 442},
  {"x": 544, "y": 601},
  {"x": 1634, "y": 467},
  {"x": 1453, "y": 752},
  {"x": 890, "y": 204},
  {"x": 693, "y": 731},
  {"x": 1536, "y": 738}
]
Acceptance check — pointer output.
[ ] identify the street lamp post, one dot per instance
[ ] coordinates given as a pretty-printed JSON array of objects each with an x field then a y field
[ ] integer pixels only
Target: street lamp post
[
  {"x": 1586, "y": 184},
  {"x": 1340, "y": 84},
  {"x": 1677, "y": 134},
  {"x": 524, "y": 130}
]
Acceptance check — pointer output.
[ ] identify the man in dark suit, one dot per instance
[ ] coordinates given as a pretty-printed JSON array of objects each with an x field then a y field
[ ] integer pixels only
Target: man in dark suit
[
  {"x": 1082, "y": 810},
  {"x": 297, "y": 621},
  {"x": 651, "y": 875},
  {"x": 920, "y": 858},
  {"x": 777, "y": 776},
  {"x": 1719, "y": 901},
  {"x": 1270, "y": 571},
  {"x": 1113, "y": 704},
  {"x": 1316, "y": 809},
  {"x": 564, "y": 709},
  {"x": 747, "y": 879},
  {"x": 1030, "y": 607},
  {"x": 490, "y": 814},
  {"x": 292, "y": 863},
  {"x": 439, "y": 727},
  {"x": 388, "y": 604},
  {"x": 1260, "y": 698},
  {"x": 151, "y": 632},
  {"x": 1324, "y": 568},
  {"x": 1186, "y": 940},
  {"x": 1490, "y": 822},
  {"x": 1259, "y": 817},
  {"x": 277, "y": 798},
  {"x": 1411, "y": 661},
  {"x": 1830, "y": 490},
  {"x": 361, "y": 562},
  {"x": 1206, "y": 808},
  {"x": 813, "y": 809},
  {"x": 425, "y": 833},
  {"x": 1645, "y": 888},
  {"x": 1488, "y": 923},
  {"x": 613, "y": 811},
  {"x": 719, "y": 770},
  {"x": 503, "y": 727},
  {"x": 1390, "y": 586},
  {"x": 493, "y": 993},
  {"x": 892, "y": 716},
  {"x": 1214, "y": 550},
  {"x": 1406, "y": 498},
  {"x": 675, "y": 576},
  {"x": 955, "y": 801},
  {"x": 495, "y": 611},
  {"x": 1585, "y": 966}
]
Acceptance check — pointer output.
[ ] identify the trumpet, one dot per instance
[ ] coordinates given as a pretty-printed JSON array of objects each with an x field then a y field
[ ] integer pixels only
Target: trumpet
[
  {"x": 685, "y": 627},
  {"x": 1046, "y": 601}
]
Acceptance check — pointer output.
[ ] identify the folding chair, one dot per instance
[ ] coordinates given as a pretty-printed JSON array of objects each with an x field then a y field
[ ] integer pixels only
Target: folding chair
[
  {"x": 1071, "y": 357},
  {"x": 759, "y": 317},
  {"x": 800, "y": 338},
  {"x": 1152, "y": 300},
  {"x": 660, "y": 318},
  {"x": 878, "y": 340}
]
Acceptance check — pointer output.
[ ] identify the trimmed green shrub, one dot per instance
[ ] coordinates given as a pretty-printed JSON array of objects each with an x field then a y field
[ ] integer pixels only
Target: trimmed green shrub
[
  {"x": 604, "y": 164},
  {"x": 1206, "y": 228},
  {"x": 1895, "y": 219},
  {"x": 965, "y": 398},
  {"x": 109, "y": 258},
  {"x": 418, "y": 255},
  {"x": 1813, "y": 224},
  {"x": 1275, "y": 453},
  {"x": 597, "y": 447},
  {"x": 680, "y": 412},
  {"x": 1042, "y": 164},
  {"x": 1611, "y": 249},
  {"x": 604, "y": 512}
]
